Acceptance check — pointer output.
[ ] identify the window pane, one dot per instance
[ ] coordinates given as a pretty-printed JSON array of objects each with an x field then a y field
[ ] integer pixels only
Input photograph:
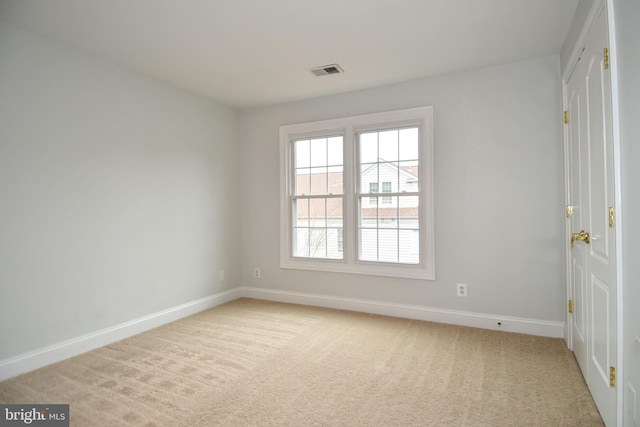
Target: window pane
[
  {"x": 388, "y": 221},
  {"x": 368, "y": 176},
  {"x": 409, "y": 212},
  {"x": 369, "y": 222},
  {"x": 388, "y": 145},
  {"x": 409, "y": 244},
  {"x": 409, "y": 144},
  {"x": 318, "y": 243},
  {"x": 334, "y": 212},
  {"x": 319, "y": 181},
  {"x": 389, "y": 174},
  {"x": 387, "y": 245},
  {"x": 368, "y": 147},
  {"x": 301, "y": 242},
  {"x": 317, "y": 213},
  {"x": 319, "y": 152},
  {"x": 388, "y": 213},
  {"x": 409, "y": 177},
  {"x": 334, "y": 243},
  {"x": 335, "y": 150},
  {"x": 303, "y": 181},
  {"x": 369, "y": 245},
  {"x": 301, "y": 209},
  {"x": 368, "y": 212},
  {"x": 336, "y": 180},
  {"x": 303, "y": 155},
  {"x": 386, "y": 188}
]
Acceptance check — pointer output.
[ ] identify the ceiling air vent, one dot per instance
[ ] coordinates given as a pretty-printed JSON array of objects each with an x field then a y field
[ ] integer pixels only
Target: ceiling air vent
[{"x": 325, "y": 70}]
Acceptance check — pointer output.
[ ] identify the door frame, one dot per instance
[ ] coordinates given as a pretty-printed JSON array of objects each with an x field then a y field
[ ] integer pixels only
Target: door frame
[{"x": 597, "y": 7}]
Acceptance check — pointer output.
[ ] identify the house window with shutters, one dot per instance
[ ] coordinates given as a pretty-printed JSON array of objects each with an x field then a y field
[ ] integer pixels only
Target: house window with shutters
[
  {"x": 373, "y": 189},
  {"x": 386, "y": 188}
]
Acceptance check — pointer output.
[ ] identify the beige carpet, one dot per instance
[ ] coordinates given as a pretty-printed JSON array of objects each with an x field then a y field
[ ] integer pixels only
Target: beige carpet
[{"x": 257, "y": 363}]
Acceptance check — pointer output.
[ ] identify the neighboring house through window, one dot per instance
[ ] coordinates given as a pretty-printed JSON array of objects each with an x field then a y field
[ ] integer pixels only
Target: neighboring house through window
[{"x": 356, "y": 194}]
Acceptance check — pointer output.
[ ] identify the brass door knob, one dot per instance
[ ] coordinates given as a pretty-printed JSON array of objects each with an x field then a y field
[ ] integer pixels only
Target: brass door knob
[{"x": 582, "y": 236}]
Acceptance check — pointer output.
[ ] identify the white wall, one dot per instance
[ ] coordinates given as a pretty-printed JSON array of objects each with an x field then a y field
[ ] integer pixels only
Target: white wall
[
  {"x": 627, "y": 16},
  {"x": 498, "y": 184},
  {"x": 118, "y": 194},
  {"x": 576, "y": 29}
]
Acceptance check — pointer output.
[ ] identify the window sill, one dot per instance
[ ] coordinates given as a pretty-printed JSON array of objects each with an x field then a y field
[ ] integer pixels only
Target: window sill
[{"x": 403, "y": 271}]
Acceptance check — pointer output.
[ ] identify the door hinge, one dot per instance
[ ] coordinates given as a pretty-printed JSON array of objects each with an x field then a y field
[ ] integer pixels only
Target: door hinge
[
  {"x": 570, "y": 306},
  {"x": 612, "y": 217},
  {"x": 566, "y": 117},
  {"x": 569, "y": 211},
  {"x": 606, "y": 58},
  {"x": 612, "y": 377}
]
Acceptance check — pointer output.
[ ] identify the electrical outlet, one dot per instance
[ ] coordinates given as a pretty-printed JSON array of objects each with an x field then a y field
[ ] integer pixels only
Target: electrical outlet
[
  {"x": 461, "y": 289},
  {"x": 221, "y": 276},
  {"x": 256, "y": 273}
]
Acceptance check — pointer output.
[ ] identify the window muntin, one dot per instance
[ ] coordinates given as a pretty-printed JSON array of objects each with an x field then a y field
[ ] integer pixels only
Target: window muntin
[{"x": 400, "y": 196}]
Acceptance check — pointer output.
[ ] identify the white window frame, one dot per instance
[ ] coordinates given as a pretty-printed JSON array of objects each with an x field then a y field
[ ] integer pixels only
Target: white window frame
[{"x": 349, "y": 127}]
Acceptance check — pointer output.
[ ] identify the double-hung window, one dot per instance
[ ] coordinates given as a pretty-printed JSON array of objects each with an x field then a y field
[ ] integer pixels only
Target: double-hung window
[{"x": 357, "y": 194}]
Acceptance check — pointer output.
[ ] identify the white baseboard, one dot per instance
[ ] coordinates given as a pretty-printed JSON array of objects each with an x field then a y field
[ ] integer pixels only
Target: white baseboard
[
  {"x": 38, "y": 358},
  {"x": 476, "y": 320},
  {"x": 26, "y": 362}
]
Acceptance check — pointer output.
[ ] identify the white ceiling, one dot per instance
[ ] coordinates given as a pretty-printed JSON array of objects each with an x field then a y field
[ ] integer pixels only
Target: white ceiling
[{"x": 248, "y": 53}]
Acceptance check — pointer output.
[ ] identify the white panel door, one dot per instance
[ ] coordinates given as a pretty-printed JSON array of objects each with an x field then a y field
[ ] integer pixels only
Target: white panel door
[
  {"x": 577, "y": 135},
  {"x": 601, "y": 252},
  {"x": 591, "y": 193}
]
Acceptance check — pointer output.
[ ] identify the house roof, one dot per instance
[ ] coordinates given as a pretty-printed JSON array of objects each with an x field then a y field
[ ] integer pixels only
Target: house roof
[{"x": 410, "y": 173}]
